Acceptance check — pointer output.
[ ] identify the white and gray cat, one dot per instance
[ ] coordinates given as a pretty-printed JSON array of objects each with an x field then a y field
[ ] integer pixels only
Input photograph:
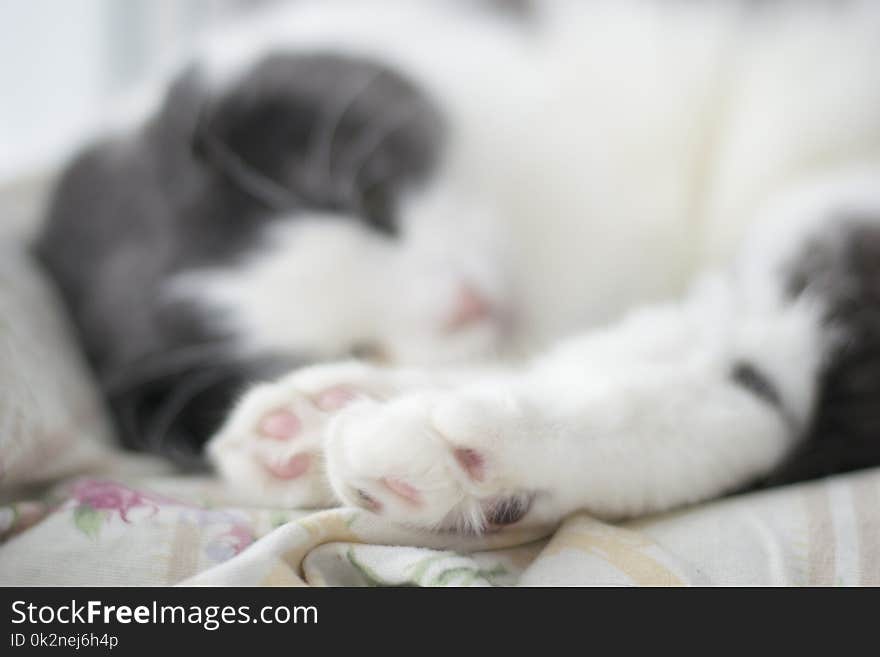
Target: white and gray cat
[{"x": 509, "y": 260}]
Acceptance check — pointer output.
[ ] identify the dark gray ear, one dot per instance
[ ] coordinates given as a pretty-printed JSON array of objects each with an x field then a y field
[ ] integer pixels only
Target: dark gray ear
[{"x": 319, "y": 130}]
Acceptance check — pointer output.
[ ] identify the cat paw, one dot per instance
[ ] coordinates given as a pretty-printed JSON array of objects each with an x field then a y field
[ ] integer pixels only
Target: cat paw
[
  {"x": 271, "y": 448},
  {"x": 436, "y": 460}
]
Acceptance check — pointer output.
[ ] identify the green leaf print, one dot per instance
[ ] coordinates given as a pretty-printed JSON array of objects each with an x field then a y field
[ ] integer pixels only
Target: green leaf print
[
  {"x": 278, "y": 518},
  {"x": 88, "y": 520},
  {"x": 369, "y": 575},
  {"x": 420, "y": 567},
  {"x": 468, "y": 575}
]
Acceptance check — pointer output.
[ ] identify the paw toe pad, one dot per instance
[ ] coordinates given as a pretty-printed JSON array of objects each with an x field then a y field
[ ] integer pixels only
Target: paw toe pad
[
  {"x": 368, "y": 502},
  {"x": 407, "y": 492},
  {"x": 289, "y": 468},
  {"x": 472, "y": 462},
  {"x": 280, "y": 425},
  {"x": 334, "y": 398}
]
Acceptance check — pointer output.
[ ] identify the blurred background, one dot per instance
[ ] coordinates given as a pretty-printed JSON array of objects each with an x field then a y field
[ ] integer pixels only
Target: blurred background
[{"x": 61, "y": 60}]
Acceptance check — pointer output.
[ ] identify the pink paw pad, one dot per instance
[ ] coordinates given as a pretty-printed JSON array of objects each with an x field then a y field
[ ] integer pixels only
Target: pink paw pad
[
  {"x": 279, "y": 425},
  {"x": 472, "y": 462},
  {"x": 402, "y": 489},
  {"x": 290, "y": 468},
  {"x": 334, "y": 398},
  {"x": 368, "y": 501}
]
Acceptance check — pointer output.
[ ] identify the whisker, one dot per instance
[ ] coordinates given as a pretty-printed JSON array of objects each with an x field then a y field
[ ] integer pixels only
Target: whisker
[
  {"x": 363, "y": 150},
  {"x": 183, "y": 395},
  {"x": 321, "y": 150},
  {"x": 166, "y": 364},
  {"x": 245, "y": 176}
]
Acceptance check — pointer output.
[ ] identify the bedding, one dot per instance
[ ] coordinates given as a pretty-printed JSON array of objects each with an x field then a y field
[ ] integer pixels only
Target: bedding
[
  {"x": 74, "y": 510},
  {"x": 172, "y": 530}
]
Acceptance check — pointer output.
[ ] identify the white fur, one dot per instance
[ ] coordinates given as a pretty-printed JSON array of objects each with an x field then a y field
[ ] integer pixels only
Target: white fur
[{"x": 612, "y": 155}]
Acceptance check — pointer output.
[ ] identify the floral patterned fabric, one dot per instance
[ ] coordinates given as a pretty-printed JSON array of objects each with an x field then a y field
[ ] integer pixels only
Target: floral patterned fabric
[
  {"x": 170, "y": 530},
  {"x": 74, "y": 511}
]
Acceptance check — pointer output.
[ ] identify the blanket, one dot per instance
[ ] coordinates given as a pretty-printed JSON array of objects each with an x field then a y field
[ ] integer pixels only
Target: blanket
[
  {"x": 74, "y": 510},
  {"x": 173, "y": 530}
]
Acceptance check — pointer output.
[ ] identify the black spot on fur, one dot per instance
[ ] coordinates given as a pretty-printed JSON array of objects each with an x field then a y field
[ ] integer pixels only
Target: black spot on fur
[
  {"x": 752, "y": 379},
  {"x": 842, "y": 266}
]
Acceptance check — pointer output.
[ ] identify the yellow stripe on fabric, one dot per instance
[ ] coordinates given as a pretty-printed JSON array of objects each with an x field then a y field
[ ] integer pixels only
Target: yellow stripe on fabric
[
  {"x": 866, "y": 503},
  {"x": 623, "y": 549},
  {"x": 821, "y": 539}
]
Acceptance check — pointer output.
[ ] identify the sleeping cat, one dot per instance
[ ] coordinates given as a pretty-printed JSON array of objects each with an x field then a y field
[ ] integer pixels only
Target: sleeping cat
[{"x": 472, "y": 264}]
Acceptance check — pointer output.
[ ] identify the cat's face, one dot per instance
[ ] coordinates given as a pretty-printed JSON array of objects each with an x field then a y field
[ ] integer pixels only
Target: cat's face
[{"x": 366, "y": 242}]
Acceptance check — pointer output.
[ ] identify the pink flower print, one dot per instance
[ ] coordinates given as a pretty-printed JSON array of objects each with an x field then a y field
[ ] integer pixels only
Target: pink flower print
[
  {"x": 229, "y": 543},
  {"x": 110, "y": 496}
]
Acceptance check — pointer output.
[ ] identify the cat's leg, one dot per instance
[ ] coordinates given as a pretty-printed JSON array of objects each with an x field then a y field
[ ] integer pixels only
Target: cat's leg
[
  {"x": 659, "y": 411},
  {"x": 676, "y": 404},
  {"x": 271, "y": 447}
]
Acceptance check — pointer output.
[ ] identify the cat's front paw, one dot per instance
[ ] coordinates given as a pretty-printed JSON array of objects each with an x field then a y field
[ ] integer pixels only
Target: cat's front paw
[
  {"x": 271, "y": 448},
  {"x": 437, "y": 460}
]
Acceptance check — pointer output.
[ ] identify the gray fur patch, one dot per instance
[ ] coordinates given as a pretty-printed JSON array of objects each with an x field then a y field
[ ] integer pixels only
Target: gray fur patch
[
  {"x": 841, "y": 265},
  {"x": 196, "y": 187}
]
